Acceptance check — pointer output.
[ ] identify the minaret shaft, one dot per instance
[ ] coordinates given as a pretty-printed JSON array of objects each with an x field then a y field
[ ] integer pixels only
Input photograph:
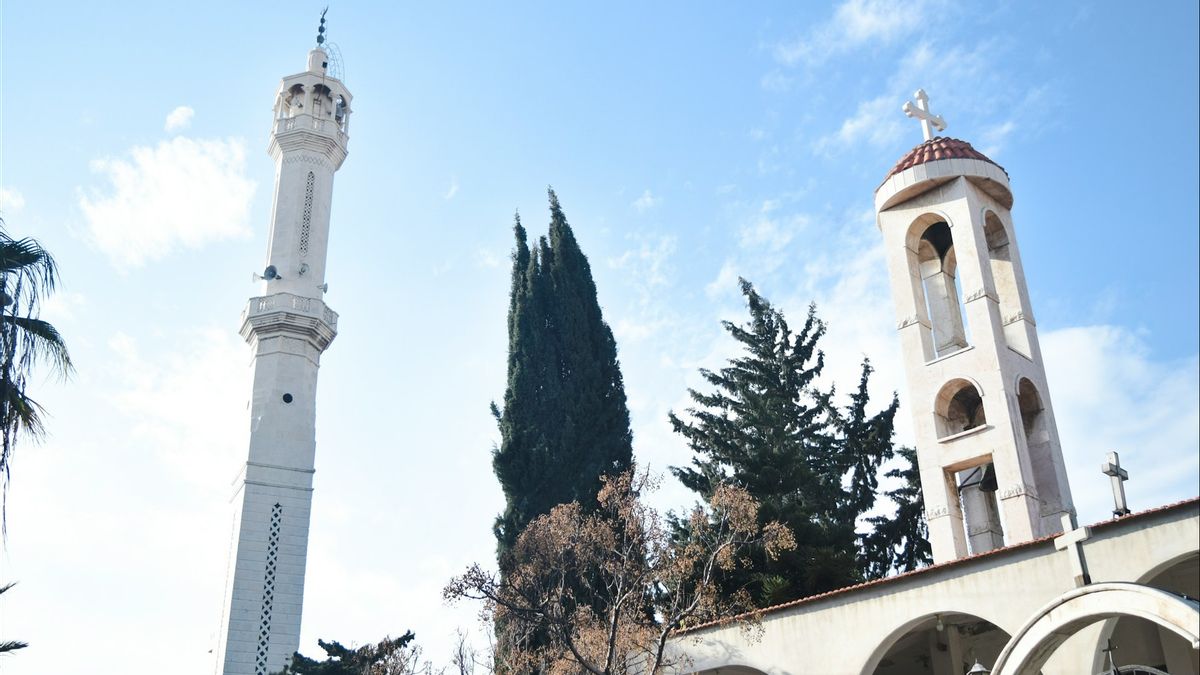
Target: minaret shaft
[{"x": 288, "y": 327}]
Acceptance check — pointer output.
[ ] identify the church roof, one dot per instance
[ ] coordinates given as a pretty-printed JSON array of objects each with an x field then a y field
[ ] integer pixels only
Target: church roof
[
  {"x": 939, "y": 147},
  {"x": 1194, "y": 501}
]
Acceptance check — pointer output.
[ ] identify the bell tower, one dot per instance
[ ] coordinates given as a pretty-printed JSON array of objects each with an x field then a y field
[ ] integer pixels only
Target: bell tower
[
  {"x": 991, "y": 463},
  {"x": 288, "y": 326}
]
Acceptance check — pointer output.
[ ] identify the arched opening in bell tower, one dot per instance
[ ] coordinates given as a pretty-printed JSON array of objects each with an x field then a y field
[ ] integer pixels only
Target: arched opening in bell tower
[
  {"x": 1036, "y": 429},
  {"x": 959, "y": 408},
  {"x": 939, "y": 289},
  {"x": 1004, "y": 276}
]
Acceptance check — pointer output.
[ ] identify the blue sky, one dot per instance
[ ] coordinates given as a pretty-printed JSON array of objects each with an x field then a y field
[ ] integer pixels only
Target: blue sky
[{"x": 689, "y": 144}]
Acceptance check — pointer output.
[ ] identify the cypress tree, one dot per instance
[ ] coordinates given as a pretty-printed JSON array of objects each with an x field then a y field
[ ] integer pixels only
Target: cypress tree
[
  {"x": 564, "y": 423},
  {"x": 768, "y": 427}
]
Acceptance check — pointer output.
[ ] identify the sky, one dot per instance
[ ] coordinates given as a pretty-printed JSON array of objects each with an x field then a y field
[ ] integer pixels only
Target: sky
[{"x": 689, "y": 143}]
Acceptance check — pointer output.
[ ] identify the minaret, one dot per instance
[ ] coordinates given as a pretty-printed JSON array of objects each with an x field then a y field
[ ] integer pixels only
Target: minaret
[
  {"x": 991, "y": 464},
  {"x": 288, "y": 327}
]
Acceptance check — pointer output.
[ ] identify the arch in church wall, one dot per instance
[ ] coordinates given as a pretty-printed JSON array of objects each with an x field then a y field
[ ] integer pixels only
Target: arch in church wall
[
  {"x": 913, "y": 647},
  {"x": 1037, "y": 640},
  {"x": 731, "y": 670},
  {"x": 1004, "y": 278},
  {"x": 959, "y": 407},
  {"x": 933, "y": 266},
  {"x": 1178, "y": 573}
]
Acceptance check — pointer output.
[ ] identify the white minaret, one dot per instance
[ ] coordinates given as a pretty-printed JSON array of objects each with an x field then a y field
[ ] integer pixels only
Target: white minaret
[
  {"x": 288, "y": 327},
  {"x": 992, "y": 471}
]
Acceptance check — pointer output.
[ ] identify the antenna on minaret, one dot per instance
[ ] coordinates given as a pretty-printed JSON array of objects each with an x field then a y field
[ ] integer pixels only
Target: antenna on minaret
[{"x": 321, "y": 29}]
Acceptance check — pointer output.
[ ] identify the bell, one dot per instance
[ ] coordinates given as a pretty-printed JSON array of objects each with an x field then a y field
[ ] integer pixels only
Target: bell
[{"x": 988, "y": 482}]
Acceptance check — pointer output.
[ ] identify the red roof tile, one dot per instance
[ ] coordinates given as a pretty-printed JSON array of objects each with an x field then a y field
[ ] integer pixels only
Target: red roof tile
[{"x": 939, "y": 148}]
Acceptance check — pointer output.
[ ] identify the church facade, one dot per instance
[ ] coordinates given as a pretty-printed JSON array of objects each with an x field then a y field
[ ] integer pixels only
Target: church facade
[{"x": 1017, "y": 588}]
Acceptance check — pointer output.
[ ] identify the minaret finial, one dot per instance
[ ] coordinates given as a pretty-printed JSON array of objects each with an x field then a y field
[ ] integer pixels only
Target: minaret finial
[{"x": 321, "y": 29}]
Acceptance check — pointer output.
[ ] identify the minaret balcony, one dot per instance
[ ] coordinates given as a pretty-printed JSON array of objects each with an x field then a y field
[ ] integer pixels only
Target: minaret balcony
[
  {"x": 287, "y": 314},
  {"x": 310, "y": 123}
]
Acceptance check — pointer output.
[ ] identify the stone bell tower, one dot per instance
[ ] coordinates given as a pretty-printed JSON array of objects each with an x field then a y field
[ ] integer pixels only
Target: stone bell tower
[
  {"x": 991, "y": 464},
  {"x": 288, "y": 326}
]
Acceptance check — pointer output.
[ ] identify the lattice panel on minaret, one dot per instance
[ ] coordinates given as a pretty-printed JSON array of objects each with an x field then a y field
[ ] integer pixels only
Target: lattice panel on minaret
[
  {"x": 268, "y": 599},
  {"x": 306, "y": 219}
]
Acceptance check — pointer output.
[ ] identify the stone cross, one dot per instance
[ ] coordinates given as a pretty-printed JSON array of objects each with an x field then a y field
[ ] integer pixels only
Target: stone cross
[
  {"x": 1112, "y": 468},
  {"x": 1108, "y": 650},
  {"x": 1072, "y": 540},
  {"x": 921, "y": 112}
]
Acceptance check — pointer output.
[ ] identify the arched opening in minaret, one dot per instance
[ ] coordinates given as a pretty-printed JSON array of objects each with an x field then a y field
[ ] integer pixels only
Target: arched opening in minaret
[
  {"x": 940, "y": 292},
  {"x": 959, "y": 408},
  {"x": 293, "y": 101},
  {"x": 322, "y": 101},
  {"x": 1004, "y": 276},
  {"x": 1039, "y": 443}
]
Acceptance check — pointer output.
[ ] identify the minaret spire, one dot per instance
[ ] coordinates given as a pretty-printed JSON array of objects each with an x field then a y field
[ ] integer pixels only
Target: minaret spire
[
  {"x": 321, "y": 29},
  {"x": 288, "y": 326}
]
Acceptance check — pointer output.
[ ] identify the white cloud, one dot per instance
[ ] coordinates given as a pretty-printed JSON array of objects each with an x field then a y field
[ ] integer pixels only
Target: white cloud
[
  {"x": 489, "y": 259},
  {"x": 724, "y": 283},
  {"x": 189, "y": 404},
  {"x": 1109, "y": 393},
  {"x": 993, "y": 137},
  {"x": 452, "y": 190},
  {"x": 11, "y": 201},
  {"x": 179, "y": 119},
  {"x": 181, "y": 193},
  {"x": 855, "y": 23},
  {"x": 878, "y": 122},
  {"x": 646, "y": 202}
]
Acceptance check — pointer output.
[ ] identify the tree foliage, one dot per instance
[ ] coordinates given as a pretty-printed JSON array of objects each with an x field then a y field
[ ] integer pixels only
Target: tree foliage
[
  {"x": 899, "y": 543},
  {"x": 564, "y": 422},
  {"x": 27, "y": 276},
  {"x": 769, "y": 427},
  {"x": 390, "y": 656},
  {"x": 600, "y": 592}
]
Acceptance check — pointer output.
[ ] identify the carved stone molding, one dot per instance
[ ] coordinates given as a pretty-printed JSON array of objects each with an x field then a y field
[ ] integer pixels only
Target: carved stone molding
[
  {"x": 286, "y": 314},
  {"x": 1017, "y": 490},
  {"x": 977, "y": 294}
]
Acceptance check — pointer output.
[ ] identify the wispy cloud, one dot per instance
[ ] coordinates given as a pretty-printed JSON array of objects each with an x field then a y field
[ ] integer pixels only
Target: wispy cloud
[
  {"x": 649, "y": 261},
  {"x": 11, "y": 201},
  {"x": 181, "y": 193},
  {"x": 452, "y": 190},
  {"x": 854, "y": 23},
  {"x": 179, "y": 119},
  {"x": 877, "y": 122},
  {"x": 646, "y": 202}
]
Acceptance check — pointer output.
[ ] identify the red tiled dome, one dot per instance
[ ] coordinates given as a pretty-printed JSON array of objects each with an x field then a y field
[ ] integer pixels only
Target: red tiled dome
[{"x": 939, "y": 148}]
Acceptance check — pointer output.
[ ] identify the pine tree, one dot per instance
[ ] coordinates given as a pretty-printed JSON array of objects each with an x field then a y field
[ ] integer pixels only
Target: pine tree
[
  {"x": 564, "y": 423},
  {"x": 769, "y": 428},
  {"x": 899, "y": 543}
]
